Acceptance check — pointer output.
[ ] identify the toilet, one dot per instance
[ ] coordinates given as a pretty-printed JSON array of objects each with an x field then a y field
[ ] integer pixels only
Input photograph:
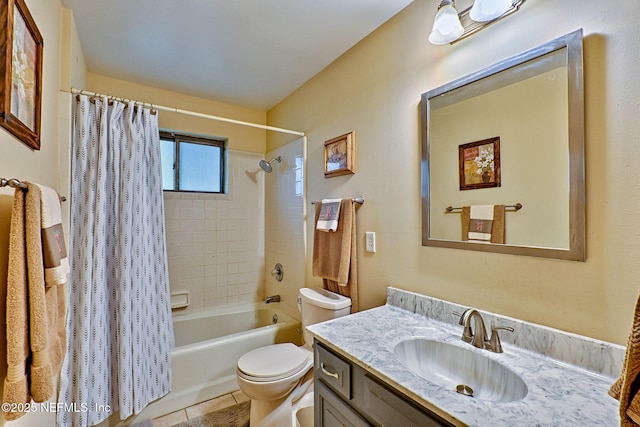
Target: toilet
[{"x": 278, "y": 378}]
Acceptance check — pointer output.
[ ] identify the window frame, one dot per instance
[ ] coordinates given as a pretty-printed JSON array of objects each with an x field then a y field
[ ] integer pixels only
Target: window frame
[{"x": 177, "y": 138}]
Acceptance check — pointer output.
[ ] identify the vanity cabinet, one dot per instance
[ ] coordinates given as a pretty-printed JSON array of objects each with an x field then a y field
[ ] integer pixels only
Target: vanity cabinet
[{"x": 348, "y": 395}]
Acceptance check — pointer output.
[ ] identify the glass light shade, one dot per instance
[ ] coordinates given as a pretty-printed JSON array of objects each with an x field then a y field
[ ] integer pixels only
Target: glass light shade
[
  {"x": 488, "y": 10},
  {"x": 446, "y": 25}
]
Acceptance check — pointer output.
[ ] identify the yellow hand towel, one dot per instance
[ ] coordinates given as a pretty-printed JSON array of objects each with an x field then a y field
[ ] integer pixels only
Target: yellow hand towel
[{"x": 627, "y": 388}]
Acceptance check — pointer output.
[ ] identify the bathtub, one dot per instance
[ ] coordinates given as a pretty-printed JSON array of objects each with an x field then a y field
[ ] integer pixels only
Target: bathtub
[{"x": 208, "y": 346}]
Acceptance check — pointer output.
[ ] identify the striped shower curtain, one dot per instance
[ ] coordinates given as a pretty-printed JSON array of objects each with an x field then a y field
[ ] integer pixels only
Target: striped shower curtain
[{"x": 119, "y": 327}]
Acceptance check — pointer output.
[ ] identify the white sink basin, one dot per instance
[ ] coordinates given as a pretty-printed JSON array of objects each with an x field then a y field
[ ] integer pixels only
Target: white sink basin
[{"x": 466, "y": 371}]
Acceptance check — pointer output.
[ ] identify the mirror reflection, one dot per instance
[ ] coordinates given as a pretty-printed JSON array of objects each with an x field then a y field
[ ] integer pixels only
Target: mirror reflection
[{"x": 509, "y": 135}]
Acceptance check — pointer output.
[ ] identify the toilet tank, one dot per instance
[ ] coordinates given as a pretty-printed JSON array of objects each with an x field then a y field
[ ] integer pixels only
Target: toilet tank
[{"x": 318, "y": 305}]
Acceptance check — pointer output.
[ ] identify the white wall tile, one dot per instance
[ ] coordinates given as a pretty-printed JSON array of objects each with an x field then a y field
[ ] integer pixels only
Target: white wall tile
[
  {"x": 211, "y": 252},
  {"x": 284, "y": 226}
]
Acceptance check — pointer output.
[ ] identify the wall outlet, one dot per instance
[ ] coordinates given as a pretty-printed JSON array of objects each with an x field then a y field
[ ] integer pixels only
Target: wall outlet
[{"x": 370, "y": 237}]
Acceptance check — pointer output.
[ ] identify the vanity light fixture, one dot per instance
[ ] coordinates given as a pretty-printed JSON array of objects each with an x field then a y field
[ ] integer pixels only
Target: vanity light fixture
[
  {"x": 488, "y": 10},
  {"x": 446, "y": 25},
  {"x": 450, "y": 26}
]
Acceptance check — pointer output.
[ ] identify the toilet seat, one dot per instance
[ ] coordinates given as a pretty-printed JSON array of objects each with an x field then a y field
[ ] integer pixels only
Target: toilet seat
[{"x": 272, "y": 363}]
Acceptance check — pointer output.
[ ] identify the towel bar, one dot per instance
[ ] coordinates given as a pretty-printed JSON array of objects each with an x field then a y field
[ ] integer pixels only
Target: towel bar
[
  {"x": 515, "y": 207},
  {"x": 359, "y": 200},
  {"x": 16, "y": 183}
]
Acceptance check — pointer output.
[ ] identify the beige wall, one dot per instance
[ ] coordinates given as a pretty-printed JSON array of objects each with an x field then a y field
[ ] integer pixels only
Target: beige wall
[
  {"x": 73, "y": 69},
  {"x": 375, "y": 90},
  {"x": 49, "y": 165},
  {"x": 240, "y": 138}
]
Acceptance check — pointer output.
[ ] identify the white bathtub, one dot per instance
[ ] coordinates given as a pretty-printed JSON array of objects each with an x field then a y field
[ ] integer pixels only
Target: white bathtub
[{"x": 208, "y": 346}]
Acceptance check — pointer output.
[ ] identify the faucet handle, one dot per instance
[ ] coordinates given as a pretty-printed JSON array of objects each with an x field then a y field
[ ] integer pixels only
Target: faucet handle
[
  {"x": 278, "y": 272},
  {"x": 494, "y": 342}
]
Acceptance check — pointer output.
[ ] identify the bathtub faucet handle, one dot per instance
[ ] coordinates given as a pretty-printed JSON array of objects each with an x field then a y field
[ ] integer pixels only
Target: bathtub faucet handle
[
  {"x": 278, "y": 272},
  {"x": 272, "y": 298}
]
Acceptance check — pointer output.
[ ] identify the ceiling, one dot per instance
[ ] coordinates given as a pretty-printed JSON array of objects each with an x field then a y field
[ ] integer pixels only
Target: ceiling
[{"x": 251, "y": 53}]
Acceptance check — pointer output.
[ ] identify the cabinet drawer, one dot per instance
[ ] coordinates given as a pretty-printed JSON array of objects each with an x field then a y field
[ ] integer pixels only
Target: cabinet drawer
[
  {"x": 333, "y": 371},
  {"x": 386, "y": 408}
]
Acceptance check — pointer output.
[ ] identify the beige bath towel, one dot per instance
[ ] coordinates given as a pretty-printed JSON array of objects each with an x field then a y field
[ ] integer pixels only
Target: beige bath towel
[
  {"x": 36, "y": 310},
  {"x": 627, "y": 388},
  {"x": 497, "y": 229},
  {"x": 335, "y": 256},
  {"x": 16, "y": 384}
]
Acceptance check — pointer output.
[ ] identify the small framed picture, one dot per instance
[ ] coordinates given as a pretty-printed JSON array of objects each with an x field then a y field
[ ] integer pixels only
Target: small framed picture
[
  {"x": 21, "y": 88},
  {"x": 340, "y": 155},
  {"x": 479, "y": 164}
]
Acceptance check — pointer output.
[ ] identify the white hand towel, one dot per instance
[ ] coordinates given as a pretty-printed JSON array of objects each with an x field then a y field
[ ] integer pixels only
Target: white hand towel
[
  {"x": 56, "y": 262},
  {"x": 480, "y": 223},
  {"x": 329, "y": 214}
]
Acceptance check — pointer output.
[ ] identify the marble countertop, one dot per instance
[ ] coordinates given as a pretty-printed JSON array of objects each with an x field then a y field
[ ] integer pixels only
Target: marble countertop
[{"x": 560, "y": 394}]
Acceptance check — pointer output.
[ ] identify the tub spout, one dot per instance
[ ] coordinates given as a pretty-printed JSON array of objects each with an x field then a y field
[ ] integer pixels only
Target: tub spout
[{"x": 272, "y": 298}]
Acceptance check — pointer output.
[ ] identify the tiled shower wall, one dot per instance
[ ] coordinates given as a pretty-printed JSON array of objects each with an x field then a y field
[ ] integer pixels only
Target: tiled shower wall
[
  {"x": 285, "y": 229},
  {"x": 215, "y": 243}
]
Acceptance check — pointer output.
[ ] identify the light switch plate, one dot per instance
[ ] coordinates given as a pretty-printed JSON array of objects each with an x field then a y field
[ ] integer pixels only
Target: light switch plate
[{"x": 370, "y": 237}]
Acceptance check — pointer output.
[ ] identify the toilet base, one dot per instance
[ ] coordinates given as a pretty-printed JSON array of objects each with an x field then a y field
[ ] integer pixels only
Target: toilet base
[{"x": 281, "y": 412}]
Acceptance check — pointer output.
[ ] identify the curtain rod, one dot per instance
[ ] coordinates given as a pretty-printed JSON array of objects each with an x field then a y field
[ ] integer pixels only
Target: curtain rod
[{"x": 192, "y": 113}]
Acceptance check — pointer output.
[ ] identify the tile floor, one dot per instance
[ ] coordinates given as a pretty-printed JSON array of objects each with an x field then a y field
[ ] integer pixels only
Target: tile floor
[{"x": 232, "y": 407}]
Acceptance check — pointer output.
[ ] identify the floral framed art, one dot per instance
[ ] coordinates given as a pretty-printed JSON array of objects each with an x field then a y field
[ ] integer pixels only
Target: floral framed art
[
  {"x": 21, "y": 87},
  {"x": 340, "y": 155},
  {"x": 479, "y": 164}
]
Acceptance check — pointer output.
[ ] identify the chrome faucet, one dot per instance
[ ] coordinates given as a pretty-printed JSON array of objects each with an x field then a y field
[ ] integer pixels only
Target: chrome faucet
[
  {"x": 272, "y": 298},
  {"x": 477, "y": 336}
]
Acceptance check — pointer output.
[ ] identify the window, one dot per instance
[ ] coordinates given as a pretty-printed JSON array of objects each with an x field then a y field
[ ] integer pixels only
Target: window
[{"x": 192, "y": 163}]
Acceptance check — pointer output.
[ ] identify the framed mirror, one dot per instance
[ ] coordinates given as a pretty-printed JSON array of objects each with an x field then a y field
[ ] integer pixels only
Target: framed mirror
[{"x": 510, "y": 135}]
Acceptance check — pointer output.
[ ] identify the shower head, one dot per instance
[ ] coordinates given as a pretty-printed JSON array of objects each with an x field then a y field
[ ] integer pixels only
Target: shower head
[{"x": 266, "y": 166}]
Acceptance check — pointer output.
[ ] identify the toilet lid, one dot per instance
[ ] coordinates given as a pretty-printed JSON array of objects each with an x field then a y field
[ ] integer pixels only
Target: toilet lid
[{"x": 273, "y": 362}]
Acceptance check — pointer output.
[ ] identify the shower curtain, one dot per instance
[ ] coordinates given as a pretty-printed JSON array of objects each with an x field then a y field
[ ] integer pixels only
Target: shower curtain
[{"x": 119, "y": 327}]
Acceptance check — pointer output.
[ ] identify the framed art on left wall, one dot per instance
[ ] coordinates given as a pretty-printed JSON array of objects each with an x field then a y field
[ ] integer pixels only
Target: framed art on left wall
[{"x": 21, "y": 71}]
